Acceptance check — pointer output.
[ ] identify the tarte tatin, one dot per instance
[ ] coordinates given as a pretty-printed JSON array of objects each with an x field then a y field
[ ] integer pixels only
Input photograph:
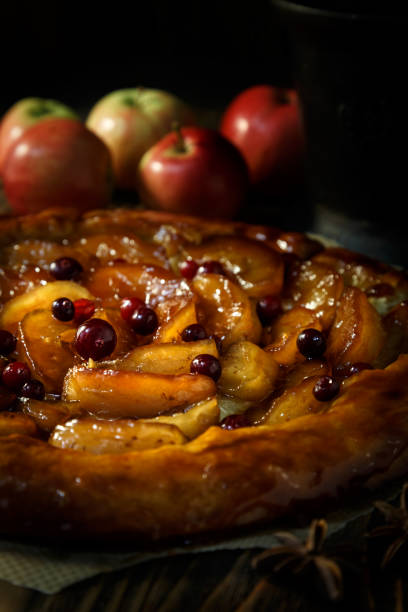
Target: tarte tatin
[{"x": 168, "y": 376}]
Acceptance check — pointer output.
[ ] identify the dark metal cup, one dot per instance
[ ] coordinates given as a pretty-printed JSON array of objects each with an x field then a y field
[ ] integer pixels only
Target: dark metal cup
[{"x": 350, "y": 66}]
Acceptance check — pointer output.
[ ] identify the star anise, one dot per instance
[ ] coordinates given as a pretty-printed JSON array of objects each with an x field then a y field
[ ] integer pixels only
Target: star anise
[
  {"x": 396, "y": 525},
  {"x": 296, "y": 555}
]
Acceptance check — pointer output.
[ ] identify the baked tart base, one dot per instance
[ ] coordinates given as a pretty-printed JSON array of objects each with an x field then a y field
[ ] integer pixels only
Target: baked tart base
[{"x": 134, "y": 446}]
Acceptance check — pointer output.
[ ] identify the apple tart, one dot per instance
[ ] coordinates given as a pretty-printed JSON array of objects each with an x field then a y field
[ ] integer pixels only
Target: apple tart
[{"x": 168, "y": 376}]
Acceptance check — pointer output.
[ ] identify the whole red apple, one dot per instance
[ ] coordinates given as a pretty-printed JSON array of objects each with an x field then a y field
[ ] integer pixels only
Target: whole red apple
[
  {"x": 264, "y": 122},
  {"x": 130, "y": 121},
  {"x": 57, "y": 162},
  {"x": 194, "y": 171},
  {"x": 24, "y": 114}
]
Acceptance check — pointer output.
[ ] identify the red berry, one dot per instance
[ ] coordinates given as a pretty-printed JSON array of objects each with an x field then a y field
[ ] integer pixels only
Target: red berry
[
  {"x": 144, "y": 321},
  {"x": 65, "y": 268},
  {"x": 208, "y": 365},
  {"x": 345, "y": 370},
  {"x": 234, "y": 421},
  {"x": 7, "y": 342},
  {"x": 84, "y": 310},
  {"x": 268, "y": 308},
  {"x": 211, "y": 267},
  {"x": 63, "y": 309},
  {"x": 188, "y": 269},
  {"x": 311, "y": 343},
  {"x": 193, "y": 332},
  {"x": 326, "y": 388},
  {"x": 95, "y": 339},
  {"x": 128, "y": 306},
  {"x": 15, "y": 374},
  {"x": 33, "y": 389}
]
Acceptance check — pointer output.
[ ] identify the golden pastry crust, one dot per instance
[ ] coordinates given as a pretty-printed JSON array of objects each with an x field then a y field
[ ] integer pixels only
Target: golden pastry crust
[{"x": 221, "y": 479}]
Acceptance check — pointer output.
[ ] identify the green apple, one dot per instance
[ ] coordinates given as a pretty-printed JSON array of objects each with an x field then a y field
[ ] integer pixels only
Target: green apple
[
  {"x": 130, "y": 121},
  {"x": 24, "y": 114}
]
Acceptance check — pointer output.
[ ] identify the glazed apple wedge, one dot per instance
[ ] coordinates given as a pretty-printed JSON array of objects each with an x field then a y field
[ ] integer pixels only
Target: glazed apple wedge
[
  {"x": 258, "y": 269},
  {"x": 281, "y": 337},
  {"x": 114, "y": 393},
  {"x": 166, "y": 358},
  {"x": 114, "y": 437},
  {"x": 149, "y": 283},
  {"x": 316, "y": 287},
  {"x": 40, "y": 297},
  {"x": 226, "y": 310},
  {"x": 41, "y": 348},
  {"x": 195, "y": 420},
  {"x": 248, "y": 372},
  {"x": 357, "y": 334}
]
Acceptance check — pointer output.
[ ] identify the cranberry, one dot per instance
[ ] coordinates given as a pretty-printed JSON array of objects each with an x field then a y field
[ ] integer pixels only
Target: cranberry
[
  {"x": 188, "y": 268},
  {"x": 268, "y": 308},
  {"x": 65, "y": 268},
  {"x": 208, "y": 365},
  {"x": 63, "y": 309},
  {"x": 234, "y": 421},
  {"x": 345, "y": 370},
  {"x": 84, "y": 310},
  {"x": 128, "y": 307},
  {"x": 193, "y": 332},
  {"x": 15, "y": 374},
  {"x": 211, "y": 267},
  {"x": 359, "y": 366},
  {"x": 311, "y": 343},
  {"x": 7, "y": 342},
  {"x": 33, "y": 389},
  {"x": 144, "y": 321},
  {"x": 95, "y": 339},
  {"x": 380, "y": 290},
  {"x": 326, "y": 388}
]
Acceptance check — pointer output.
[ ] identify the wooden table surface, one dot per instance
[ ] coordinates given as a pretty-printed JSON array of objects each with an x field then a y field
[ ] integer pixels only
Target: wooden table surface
[{"x": 223, "y": 580}]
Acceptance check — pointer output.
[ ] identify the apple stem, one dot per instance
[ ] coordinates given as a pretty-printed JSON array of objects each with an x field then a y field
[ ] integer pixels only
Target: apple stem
[{"x": 180, "y": 143}]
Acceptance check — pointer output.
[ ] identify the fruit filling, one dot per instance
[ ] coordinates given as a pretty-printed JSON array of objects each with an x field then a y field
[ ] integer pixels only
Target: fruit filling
[{"x": 128, "y": 331}]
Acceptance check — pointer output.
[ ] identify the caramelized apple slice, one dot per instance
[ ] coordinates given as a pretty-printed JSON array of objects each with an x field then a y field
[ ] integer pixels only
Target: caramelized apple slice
[
  {"x": 149, "y": 283},
  {"x": 108, "y": 247},
  {"x": 357, "y": 333},
  {"x": 16, "y": 282},
  {"x": 248, "y": 372},
  {"x": 40, "y": 297},
  {"x": 17, "y": 423},
  {"x": 172, "y": 325},
  {"x": 166, "y": 358},
  {"x": 295, "y": 402},
  {"x": 361, "y": 271},
  {"x": 120, "y": 436},
  {"x": 48, "y": 414},
  {"x": 41, "y": 347},
  {"x": 194, "y": 421},
  {"x": 281, "y": 337},
  {"x": 43, "y": 253},
  {"x": 395, "y": 324},
  {"x": 316, "y": 287},
  {"x": 113, "y": 393},
  {"x": 226, "y": 310},
  {"x": 295, "y": 243},
  {"x": 258, "y": 269},
  {"x": 306, "y": 369}
]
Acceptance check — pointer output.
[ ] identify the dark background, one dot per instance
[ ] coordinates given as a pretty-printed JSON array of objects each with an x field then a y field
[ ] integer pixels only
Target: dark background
[{"x": 205, "y": 52}]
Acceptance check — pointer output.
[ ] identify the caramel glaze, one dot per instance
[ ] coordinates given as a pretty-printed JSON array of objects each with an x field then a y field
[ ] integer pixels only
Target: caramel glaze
[{"x": 220, "y": 480}]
